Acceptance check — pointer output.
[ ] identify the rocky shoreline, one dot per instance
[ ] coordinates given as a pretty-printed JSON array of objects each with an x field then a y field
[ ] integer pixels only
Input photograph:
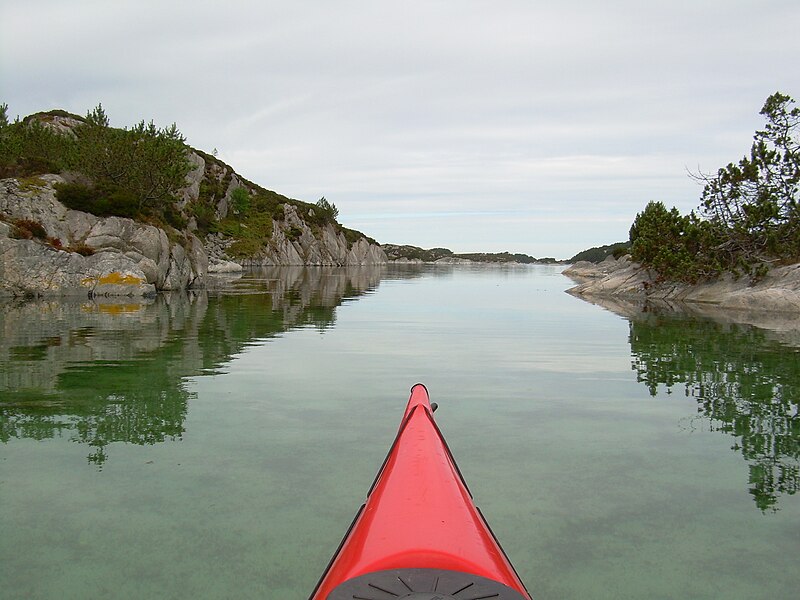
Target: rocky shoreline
[
  {"x": 778, "y": 291},
  {"x": 74, "y": 253},
  {"x": 82, "y": 254}
]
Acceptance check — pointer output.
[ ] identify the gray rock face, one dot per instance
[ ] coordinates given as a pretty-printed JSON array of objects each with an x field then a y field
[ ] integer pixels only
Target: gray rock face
[
  {"x": 130, "y": 258},
  {"x": 192, "y": 189},
  {"x": 778, "y": 291},
  {"x": 60, "y": 124},
  {"x": 134, "y": 251},
  {"x": 328, "y": 248},
  {"x": 319, "y": 247},
  {"x": 28, "y": 268}
]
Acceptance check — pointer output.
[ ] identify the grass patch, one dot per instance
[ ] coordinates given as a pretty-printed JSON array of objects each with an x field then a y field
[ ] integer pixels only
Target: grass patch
[
  {"x": 31, "y": 184},
  {"x": 251, "y": 233}
]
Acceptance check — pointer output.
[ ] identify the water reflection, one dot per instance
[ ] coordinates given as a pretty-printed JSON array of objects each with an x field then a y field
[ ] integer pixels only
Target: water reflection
[
  {"x": 105, "y": 371},
  {"x": 745, "y": 378}
]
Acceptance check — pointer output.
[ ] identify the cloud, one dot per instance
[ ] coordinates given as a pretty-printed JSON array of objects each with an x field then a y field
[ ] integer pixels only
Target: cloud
[{"x": 432, "y": 107}]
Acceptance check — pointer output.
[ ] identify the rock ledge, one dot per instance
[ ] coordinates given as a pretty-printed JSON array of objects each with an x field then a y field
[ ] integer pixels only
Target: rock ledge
[{"x": 778, "y": 291}]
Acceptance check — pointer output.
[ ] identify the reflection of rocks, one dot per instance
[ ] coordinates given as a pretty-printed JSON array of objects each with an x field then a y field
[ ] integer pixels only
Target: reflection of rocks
[
  {"x": 745, "y": 378},
  {"x": 778, "y": 291},
  {"x": 59, "y": 334},
  {"x": 781, "y": 326},
  {"x": 112, "y": 370}
]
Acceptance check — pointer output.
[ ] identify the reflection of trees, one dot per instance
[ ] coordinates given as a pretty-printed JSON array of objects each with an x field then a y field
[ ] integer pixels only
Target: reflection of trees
[
  {"x": 114, "y": 371},
  {"x": 90, "y": 406},
  {"x": 109, "y": 372},
  {"x": 746, "y": 384}
]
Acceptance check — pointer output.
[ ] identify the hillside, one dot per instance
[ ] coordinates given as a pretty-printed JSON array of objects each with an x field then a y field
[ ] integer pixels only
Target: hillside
[
  {"x": 406, "y": 253},
  {"x": 241, "y": 221},
  {"x": 599, "y": 253},
  {"x": 88, "y": 208}
]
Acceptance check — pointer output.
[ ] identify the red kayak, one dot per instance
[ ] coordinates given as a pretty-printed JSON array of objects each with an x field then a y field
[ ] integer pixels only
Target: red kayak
[{"x": 419, "y": 536}]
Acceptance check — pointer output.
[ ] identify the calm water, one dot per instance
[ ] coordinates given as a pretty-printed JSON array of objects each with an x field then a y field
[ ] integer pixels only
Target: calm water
[{"x": 217, "y": 445}]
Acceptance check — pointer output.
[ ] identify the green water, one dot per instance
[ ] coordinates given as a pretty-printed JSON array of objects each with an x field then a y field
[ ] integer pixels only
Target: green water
[{"x": 216, "y": 445}]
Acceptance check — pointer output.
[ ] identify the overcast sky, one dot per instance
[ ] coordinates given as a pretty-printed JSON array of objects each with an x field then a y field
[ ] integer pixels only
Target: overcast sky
[{"x": 529, "y": 126}]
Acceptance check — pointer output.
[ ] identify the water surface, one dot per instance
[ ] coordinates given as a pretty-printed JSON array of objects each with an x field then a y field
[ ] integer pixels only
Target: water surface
[{"x": 216, "y": 445}]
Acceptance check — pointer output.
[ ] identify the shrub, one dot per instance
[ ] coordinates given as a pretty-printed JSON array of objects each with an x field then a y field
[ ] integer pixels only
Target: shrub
[
  {"x": 620, "y": 251},
  {"x": 751, "y": 210},
  {"x": 678, "y": 247},
  {"x": 146, "y": 161},
  {"x": 174, "y": 217},
  {"x": 328, "y": 209},
  {"x": 204, "y": 215},
  {"x": 293, "y": 233},
  {"x": 245, "y": 248},
  {"x": 121, "y": 203},
  {"x": 103, "y": 200},
  {"x": 30, "y": 148},
  {"x": 26, "y": 229},
  {"x": 77, "y": 197},
  {"x": 81, "y": 248},
  {"x": 758, "y": 199},
  {"x": 240, "y": 200}
]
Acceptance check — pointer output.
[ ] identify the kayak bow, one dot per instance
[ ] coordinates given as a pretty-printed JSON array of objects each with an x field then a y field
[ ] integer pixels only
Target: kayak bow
[{"x": 419, "y": 536}]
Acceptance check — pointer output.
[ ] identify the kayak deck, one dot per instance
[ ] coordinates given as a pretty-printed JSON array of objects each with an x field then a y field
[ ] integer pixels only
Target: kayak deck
[{"x": 419, "y": 534}]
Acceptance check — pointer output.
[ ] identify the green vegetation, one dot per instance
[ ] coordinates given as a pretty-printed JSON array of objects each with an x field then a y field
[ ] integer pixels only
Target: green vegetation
[
  {"x": 600, "y": 253},
  {"x": 749, "y": 215},
  {"x": 678, "y": 247},
  {"x": 395, "y": 252},
  {"x": 240, "y": 200},
  {"x": 137, "y": 173},
  {"x": 327, "y": 208},
  {"x": 145, "y": 161},
  {"x": 30, "y": 147},
  {"x": 132, "y": 172},
  {"x": 352, "y": 236},
  {"x": 102, "y": 200},
  {"x": 501, "y": 257}
]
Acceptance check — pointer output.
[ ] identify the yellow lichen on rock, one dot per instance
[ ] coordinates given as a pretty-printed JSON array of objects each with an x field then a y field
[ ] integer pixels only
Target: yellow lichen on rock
[{"x": 115, "y": 277}]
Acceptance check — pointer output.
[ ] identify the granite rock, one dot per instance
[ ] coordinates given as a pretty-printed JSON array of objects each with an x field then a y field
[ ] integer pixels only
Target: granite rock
[
  {"x": 130, "y": 258},
  {"x": 777, "y": 291}
]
